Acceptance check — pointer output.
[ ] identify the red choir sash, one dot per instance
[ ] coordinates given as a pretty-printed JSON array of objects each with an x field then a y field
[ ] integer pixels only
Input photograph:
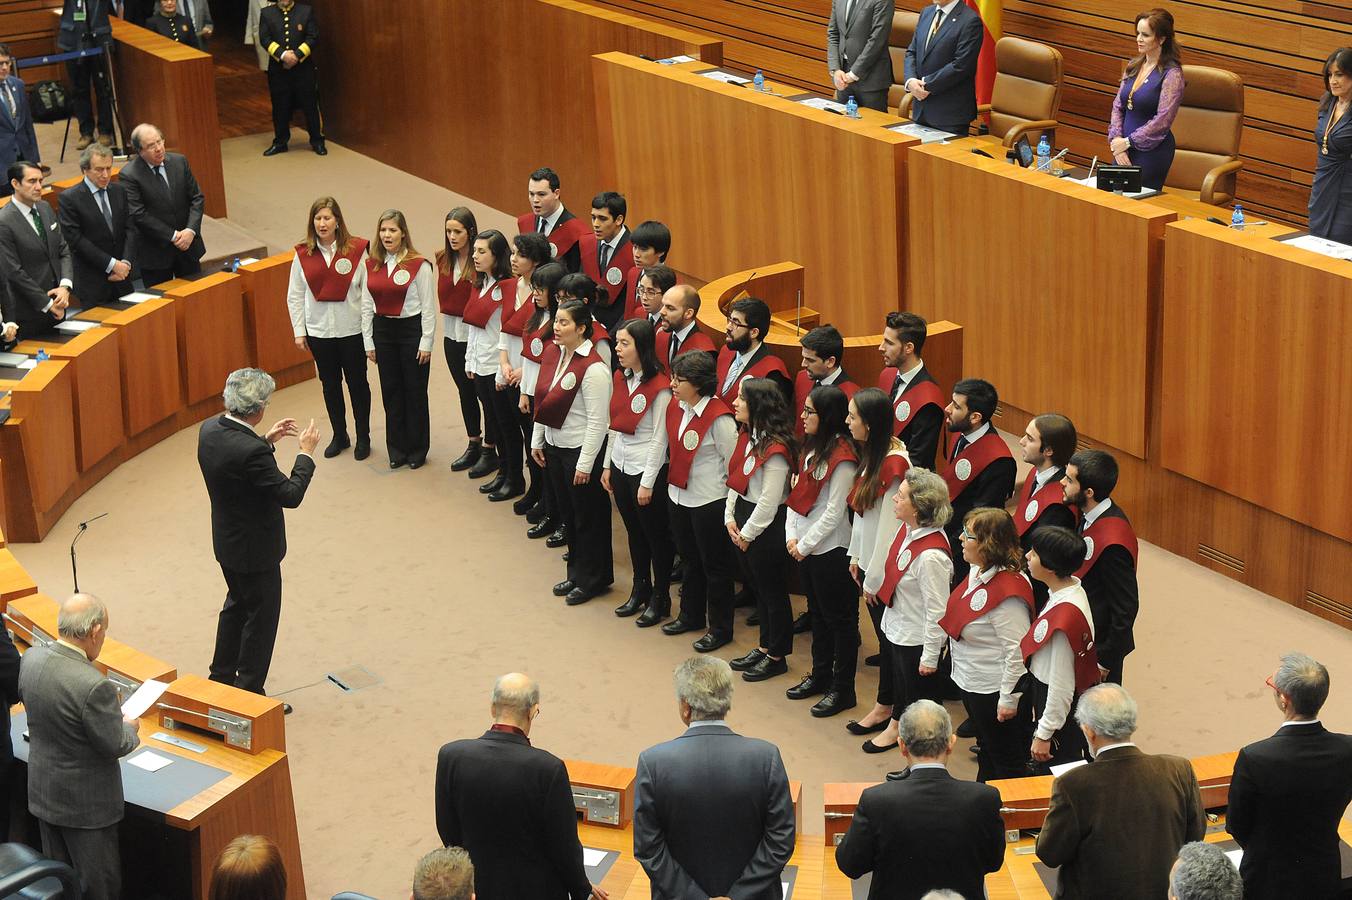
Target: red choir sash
[
  {"x": 453, "y": 295},
  {"x": 1031, "y": 505},
  {"x": 683, "y": 446},
  {"x": 1107, "y": 531},
  {"x": 562, "y": 238},
  {"x": 611, "y": 281},
  {"x": 626, "y": 409},
  {"x": 916, "y": 397},
  {"x": 1068, "y": 619},
  {"x": 534, "y": 345},
  {"x": 480, "y": 308},
  {"x": 553, "y": 403},
  {"x": 633, "y": 308},
  {"x": 962, "y": 471},
  {"x": 330, "y": 283},
  {"x": 899, "y": 560},
  {"x": 894, "y": 469},
  {"x": 966, "y": 605},
  {"x": 389, "y": 289},
  {"x": 514, "y": 321},
  {"x": 696, "y": 340},
  {"x": 803, "y": 385},
  {"x": 809, "y": 482},
  {"x": 759, "y": 369},
  {"x": 744, "y": 463}
]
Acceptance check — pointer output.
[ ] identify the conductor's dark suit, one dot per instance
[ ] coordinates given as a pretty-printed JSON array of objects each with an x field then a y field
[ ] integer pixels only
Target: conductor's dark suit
[
  {"x": 248, "y": 493},
  {"x": 926, "y": 832},
  {"x": 94, "y": 241},
  {"x": 712, "y": 816},
  {"x": 157, "y": 211},
  {"x": 1116, "y": 825},
  {"x": 32, "y": 266},
  {"x": 947, "y": 63},
  {"x": 1286, "y": 797},
  {"x": 510, "y": 805}
]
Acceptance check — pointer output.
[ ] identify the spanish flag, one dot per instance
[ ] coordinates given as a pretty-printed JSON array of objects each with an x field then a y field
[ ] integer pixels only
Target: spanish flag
[{"x": 989, "y": 10}]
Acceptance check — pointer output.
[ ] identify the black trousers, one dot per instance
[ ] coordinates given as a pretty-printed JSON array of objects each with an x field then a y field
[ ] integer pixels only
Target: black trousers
[
  {"x": 886, "y": 682},
  {"x": 181, "y": 267},
  {"x": 515, "y": 439},
  {"x": 246, "y": 629},
  {"x": 1003, "y": 746},
  {"x": 833, "y": 598},
  {"x": 765, "y": 569},
  {"x": 547, "y": 496},
  {"x": 464, "y": 385},
  {"x": 338, "y": 359},
  {"x": 526, "y": 421},
  {"x": 648, "y": 529},
  {"x": 706, "y": 591},
  {"x": 403, "y": 387},
  {"x": 293, "y": 89},
  {"x": 586, "y": 512},
  {"x": 908, "y": 684},
  {"x": 82, "y": 72},
  {"x": 1068, "y": 743}
]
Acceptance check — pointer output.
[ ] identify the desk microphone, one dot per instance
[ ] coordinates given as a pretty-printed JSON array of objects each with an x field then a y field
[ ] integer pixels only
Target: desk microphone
[
  {"x": 79, "y": 532},
  {"x": 980, "y": 152}
]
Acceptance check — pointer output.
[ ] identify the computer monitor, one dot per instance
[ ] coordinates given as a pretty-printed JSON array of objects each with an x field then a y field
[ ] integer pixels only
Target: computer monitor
[{"x": 1120, "y": 179}]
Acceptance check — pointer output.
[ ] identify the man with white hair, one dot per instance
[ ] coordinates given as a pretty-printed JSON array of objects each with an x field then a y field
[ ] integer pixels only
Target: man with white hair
[
  {"x": 76, "y": 736},
  {"x": 1204, "y": 872},
  {"x": 248, "y": 493},
  {"x": 1116, "y": 825},
  {"x": 165, "y": 206},
  {"x": 712, "y": 813}
]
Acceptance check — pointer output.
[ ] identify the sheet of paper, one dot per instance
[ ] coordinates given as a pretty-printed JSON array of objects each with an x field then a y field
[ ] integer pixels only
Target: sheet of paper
[
  {"x": 592, "y": 857},
  {"x": 144, "y": 698},
  {"x": 1234, "y": 856},
  {"x": 11, "y": 359},
  {"x": 150, "y": 761},
  {"x": 784, "y": 889},
  {"x": 726, "y": 77},
  {"x": 926, "y": 135},
  {"x": 823, "y": 103},
  {"x": 27, "y": 364},
  {"x": 1058, "y": 771},
  {"x": 1322, "y": 246},
  {"x": 673, "y": 60},
  {"x": 75, "y": 326},
  {"x": 137, "y": 297}
]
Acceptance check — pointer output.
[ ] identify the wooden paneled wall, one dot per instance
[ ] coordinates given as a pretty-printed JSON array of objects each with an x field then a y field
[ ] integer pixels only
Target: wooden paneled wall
[
  {"x": 27, "y": 26},
  {"x": 1277, "y": 46}
]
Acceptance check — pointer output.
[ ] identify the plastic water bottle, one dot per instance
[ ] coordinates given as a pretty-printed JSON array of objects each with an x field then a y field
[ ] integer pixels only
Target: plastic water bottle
[
  {"x": 1044, "y": 155},
  {"x": 852, "y": 107},
  {"x": 234, "y": 264},
  {"x": 759, "y": 80},
  {"x": 43, "y": 356},
  {"x": 1237, "y": 218}
]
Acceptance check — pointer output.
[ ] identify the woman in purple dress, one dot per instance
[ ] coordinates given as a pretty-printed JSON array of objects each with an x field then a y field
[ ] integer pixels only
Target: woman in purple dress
[
  {"x": 1331, "y": 194},
  {"x": 1148, "y": 101}
]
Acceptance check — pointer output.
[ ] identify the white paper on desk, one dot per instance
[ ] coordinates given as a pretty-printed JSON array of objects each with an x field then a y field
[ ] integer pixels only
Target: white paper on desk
[
  {"x": 726, "y": 77},
  {"x": 673, "y": 60},
  {"x": 925, "y": 134},
  {"x": 1058, "y": 771},
  {"x": 1321, "y": 246},
  {"x": 137, "y": 297},
  {"x": 144, "y": 698},
  {"x": 1234, "y": 856},
  {"x": 823, "y": 103},
  {"x": 150, "y": 761},
  {"x": 591, "y": 858},
  {"x": 785, "y": 890},
  {"x": 27, "y": 364},
  {"x": 75, "y": 326}
]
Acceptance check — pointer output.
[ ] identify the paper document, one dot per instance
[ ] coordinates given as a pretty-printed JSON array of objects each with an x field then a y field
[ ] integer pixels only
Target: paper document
[
  {"x": 75, "y": 326},
  {"x": 27, "y": 364},
  {"x": 1058, "y": 771},
  {"x": 726, "y": 77},
  {"x": 823, "y": 103},
  {"x": 592, "y": 857},
  {"x": 673, "y": 60},
  {"x": 11, "y": 359},
  {"x": 1234, "y": 856},
  {"x": 1322, "y": 246},
  {"x": 137, "y": 297},
  {"x": 144, "y": 698},
  {"x": 150, "y": 761},
  {"x": 926, "y": 135}
]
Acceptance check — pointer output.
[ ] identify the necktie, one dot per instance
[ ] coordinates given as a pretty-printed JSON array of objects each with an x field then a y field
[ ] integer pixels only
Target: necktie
[
  {"x": 732, "y": 373},
  {"x": 960, "y": 446},
  {"x": 185, "y": 7},
  {"x": 541, "y": 227},
  {"x": 675, "y": 346},
  {"x": 849, "y": 8},
  {"x": 164, "y": 176},
  {"x": 604, "y": 258},
  {"x": 896, "y": 386},
  {"x": 103, "y": 206},
  {"x": 9, "y": 102},
  {"x": 934, "y": 27},
  {"x": 37, "y": 220}
]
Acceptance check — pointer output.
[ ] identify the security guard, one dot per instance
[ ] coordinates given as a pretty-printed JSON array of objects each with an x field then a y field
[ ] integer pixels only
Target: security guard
[{"x": 289, "y": 32}]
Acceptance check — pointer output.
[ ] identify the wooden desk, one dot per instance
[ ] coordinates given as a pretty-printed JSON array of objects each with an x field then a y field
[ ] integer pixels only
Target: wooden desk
[
  {"x": 96, "y": 385},
  {"x": 209, "y": 316},
  {"x": 38, "y": 447},
  {"x": 148, "y": 347},
  {"x": 40, "y": 611},
  {"x": 15, "y": 582},
  {"x": 267, "y": 322},
  {"x": 621, "y": 840},
  {"x": 743, "y": 178}
]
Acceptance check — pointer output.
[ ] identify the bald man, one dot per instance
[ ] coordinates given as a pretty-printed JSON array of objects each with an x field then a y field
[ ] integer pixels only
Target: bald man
[{"x": 511, "y": 805}]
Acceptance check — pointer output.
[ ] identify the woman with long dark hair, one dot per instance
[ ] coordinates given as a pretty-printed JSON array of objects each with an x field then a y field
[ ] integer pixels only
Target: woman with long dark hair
[
  {"x": 455, "y": 280},
  {"x": 758, "y": 483},
  {"x": 493, "y": 283},
  {"x": 1148, "y": 99},
  {"x": 529, "y": 250},
  {"x": 537, "y": 336},
  {"x": 1331, "y": 193},
  {"x": 579, "y": 286},
  {"x": 635, "y": 471},
  {"x": 817, "y": 533}
]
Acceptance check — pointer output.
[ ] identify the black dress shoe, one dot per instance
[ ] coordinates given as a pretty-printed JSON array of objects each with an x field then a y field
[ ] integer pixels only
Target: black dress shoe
[
  {"x": 468, "y": 458},
  {"x": 524, "y": 504},
  {"x": 417, "y": 462},
  {"x": 275, "y": 149},
  {"x": 834, "y": 702},
  {"x": 853, "y": 727},
  {"x": 753, "y": 618},
  {"x": 874, "y": 660},
  {"x": 363, "y": 448},
  {"x": 486, "y": 464},
  {"x": 711, "y": 642},
  {"x": 537, "y": 514},
  {"x": 679, "y": 626},
  {"x": 543, "y": 528},
  {"x": 320, "y": 149},
  {"x": 765, "y": 669},
  {"x": 336, "y": 446},
  {"x": 966, "y": 729},
  {"x": 567, "y": 555},
  {"x": 396, "y": 463},
  {"x": 803, "y": 624},
  {"x": 558, "y": 537},
  {"x": 563, "y": 588},
  {"x": 808, "y": 687},
  {"x": 497, "y": 481},
  {"x": 900, "y": 775},
  {"x": 870, "y": 747},
  {"x": 742, "y": 663},
  {"x": 506, "y": 491},
  {"x": 577, "y": 596},
  {"x": 658, "y": 609},
  {"x": 638, "y": 600},
  {"x": 287, "y": 709}
]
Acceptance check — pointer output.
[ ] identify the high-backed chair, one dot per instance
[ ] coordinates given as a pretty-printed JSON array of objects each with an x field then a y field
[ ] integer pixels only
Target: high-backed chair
[
  {"x": 903, "y": 29},
  {"x": 1027, "y": 94},
  {"x": 1207, "y": 132}
]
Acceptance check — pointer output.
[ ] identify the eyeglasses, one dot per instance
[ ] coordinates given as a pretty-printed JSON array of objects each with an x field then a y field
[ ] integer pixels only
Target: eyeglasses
[
  {"x": 649, "y": 291},
  {"x": 733, "y": 323},
  {"x": 808, "y": 411},
  {"x": 967, "y": 535},
  {"x": 1268, "y": 682}
]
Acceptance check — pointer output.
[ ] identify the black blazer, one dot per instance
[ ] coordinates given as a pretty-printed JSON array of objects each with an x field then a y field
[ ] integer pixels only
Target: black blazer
[
  {"x": 9, "y": 689},
  {"x": 185, "y": 34},
  {"x": 1114, "y": 600},
  {"x": 511, "y": 806},
  {"x": 925, "y": 832},
  {"x": 948, "y": 66},
  {"x": 248, "y": 493},
  {"x": 156, "y": 212},
  {"x": 1286, "y": 797},
  {"x": 32, "y": 266},
  {"x": 276, "y": 38},
  {"x": 92, "y": 243},
  {"x": 991, "y": 488},
  {"x": 922, "y": 434}
]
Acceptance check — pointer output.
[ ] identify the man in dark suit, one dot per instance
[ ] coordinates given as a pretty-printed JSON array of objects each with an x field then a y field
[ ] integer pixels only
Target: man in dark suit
[
  {"x": 980, "y": 470},
  {"x": 511, "y": 805},
  {"x": 551, "y": 218},
  {"x": 857, "y": 52},
  {"x": 94, "y": 223},
  {"x": 165, "y": 205},
  {"x": 34, "y": 258},
  {"x": 941, "y": 66},
  {"x": 18, "y": 140},
  {"x": 917, "y": 401},
  {"x": 744, "y": 353},
  {"x": 1289, "y": 791},
  {"x": 1116, "y": 825},
  {"x": 928, "y": 830},
  {"x": 248, "y": 529},
  {"x": 76, "y": 736},
  {"x": 712, "y": 813},
  {"x": 607, "y": 257},
  {"x": 289, "y": 32},
  {"x": 84, "y": 24}
]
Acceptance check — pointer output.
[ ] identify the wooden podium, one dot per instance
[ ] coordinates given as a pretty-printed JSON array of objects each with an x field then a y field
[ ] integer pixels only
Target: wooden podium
[
  {"x": 37, "y": 445},
  {"x": 148, "y": 350},
  {"x": 268, "y": 331},
  {"x": 209, "y": 315},
  {"x": 96, "y": 386}
]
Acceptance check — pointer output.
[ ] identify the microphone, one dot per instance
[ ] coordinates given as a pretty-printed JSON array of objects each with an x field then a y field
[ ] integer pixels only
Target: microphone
[{"x": 79, "y": 532}]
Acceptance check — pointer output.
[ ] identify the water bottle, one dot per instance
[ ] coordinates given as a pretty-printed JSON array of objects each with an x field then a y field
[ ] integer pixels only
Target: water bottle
[
  {"x": 234, "y": 264},
  {"x": 1237, "y": 218},
  {"x": 1044, "y": 154},
  {"x": 759, "y": 80},
  {"x": 852, "y": 107},
  {"x": 42, "y": 355}
]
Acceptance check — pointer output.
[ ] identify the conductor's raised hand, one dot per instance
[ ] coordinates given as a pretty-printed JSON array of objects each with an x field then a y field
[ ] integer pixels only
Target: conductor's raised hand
[
  {"x": 284, "y": 428},
  {"x": 309, "y": 438}
]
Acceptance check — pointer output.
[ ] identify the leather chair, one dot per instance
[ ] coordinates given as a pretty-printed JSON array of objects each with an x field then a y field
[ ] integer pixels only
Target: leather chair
[
  {"x": 1207, "y": 132},
  {"x": 903, "y": 29},
  {"x": 351, "y": 895},
  {"x": 1026, "y": 98},
  {"x": 26, "y": 874}
]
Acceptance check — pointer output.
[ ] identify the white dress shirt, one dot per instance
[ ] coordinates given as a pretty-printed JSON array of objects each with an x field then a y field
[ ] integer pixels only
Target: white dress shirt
[
  {"x": 988, "y": 659},
  {"x": 1092, "y": 516},
  {"x": 644, "y": 452},
  {"x": 510, "y": 343},
  {"x": 919, "y": 601},
  {"x": 481, "y": 342},
  {"x": 324, "y": 319},
  {"x": 585, "y": 425},
  {"x": 827, "y": 524},
  {"x": 709, "y": 466},
  {"x": 419, "y": 300},
  {"x": 1054, "y": 664},
  {"x": 768, "y": 488},
  {"x": 551, "y": 220},
  {"x": 874, "y": 530},
  {"x": 454, "y": 327},
  {"x": 530, "y": 369}
]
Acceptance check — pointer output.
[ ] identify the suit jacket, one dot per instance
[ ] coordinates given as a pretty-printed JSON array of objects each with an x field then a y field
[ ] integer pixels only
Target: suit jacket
[
  {"x": 1286, "y": 797},
  {"x": 248, "y": 493},
  {"x": 712, "y": 816},
  {"x": 9, "y": 689},
  {"x": 32, "y": 265},
  {"x": 991, "y": 488},
  {"x": 948, "y": 66},
  {"x": 1116, "y": 825},
  {"x": 76, "y": 736},
  {"x": 859, "y": 43},
  {"x": 510, "y": 806},
  {"x": 1114, "y": 598},
  {"x": 18, "y": 140},
  {"x": 926, "y": 428},
  {"x": 93, "y": 244},
  {"x": 200, "y": 16},
  {"x": 187, "y": 34},
  {"x": 73, "y": 35},
  {"x": 926, "y": 832},
  {"x": 156, "y": 212}
]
